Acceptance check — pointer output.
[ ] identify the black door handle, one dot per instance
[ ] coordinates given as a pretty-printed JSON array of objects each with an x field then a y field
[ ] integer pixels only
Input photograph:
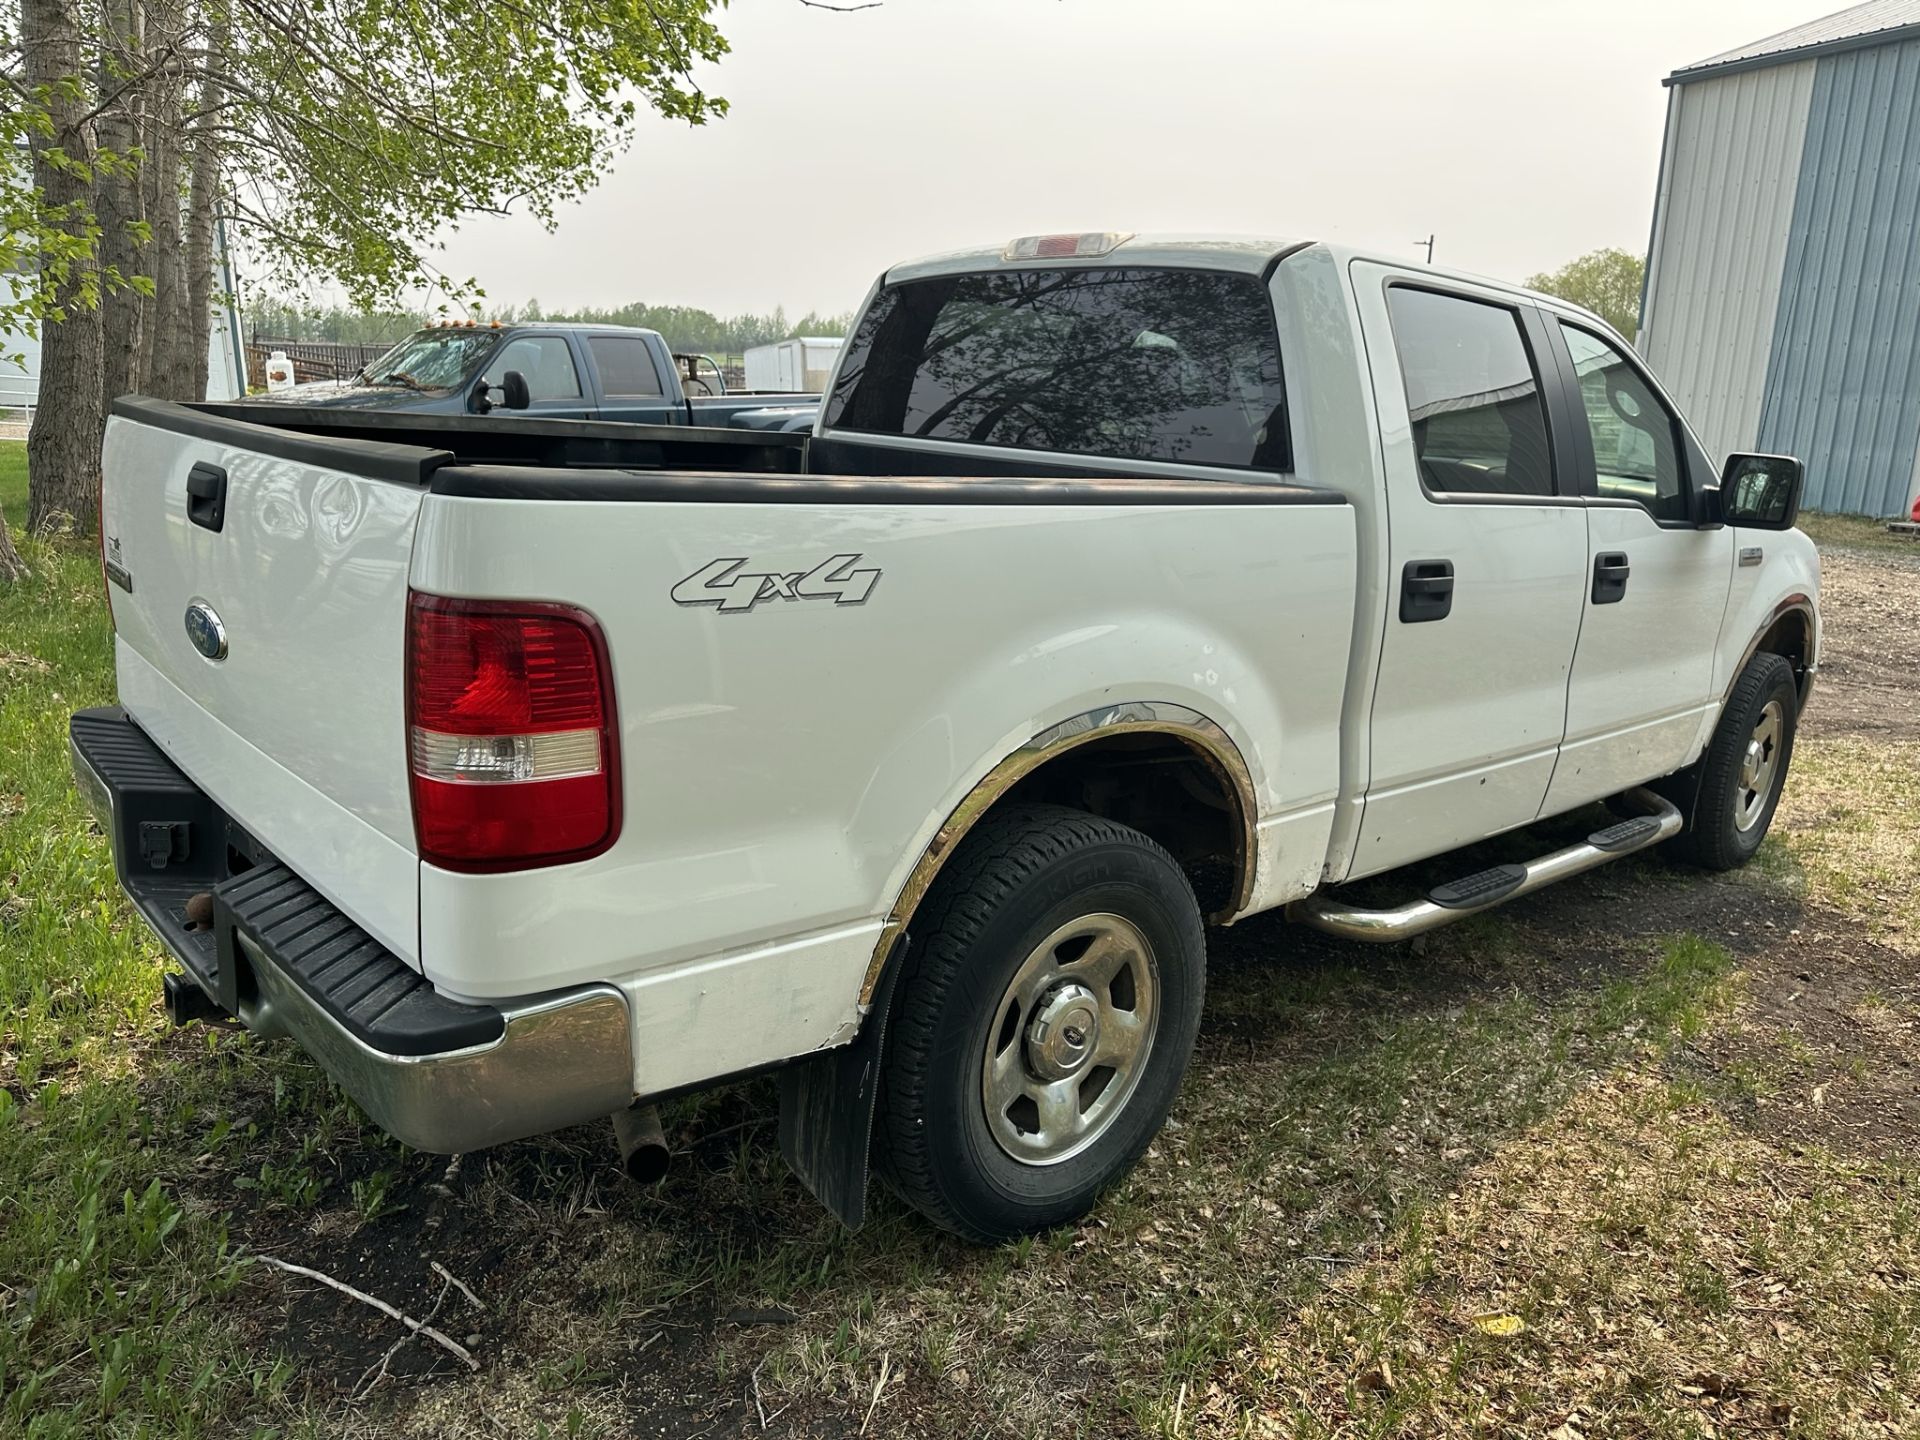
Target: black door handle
[
  {"x": 1426, "y": 590},
  {"x": 207, "y": 496},
  {"x": 1610, "y": 571}
]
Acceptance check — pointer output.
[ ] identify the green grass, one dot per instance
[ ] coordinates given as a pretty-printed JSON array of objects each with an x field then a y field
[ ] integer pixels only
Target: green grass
[
  {"x": 1361, "y": 1131},
  {"x": 113, "y": 1320},
  {"x": 1849, "y": 821},
  {"x": 13, "y": 481}
]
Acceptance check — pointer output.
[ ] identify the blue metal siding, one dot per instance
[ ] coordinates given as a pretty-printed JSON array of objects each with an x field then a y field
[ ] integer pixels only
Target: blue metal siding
[{"x": 1843, "y": 384}]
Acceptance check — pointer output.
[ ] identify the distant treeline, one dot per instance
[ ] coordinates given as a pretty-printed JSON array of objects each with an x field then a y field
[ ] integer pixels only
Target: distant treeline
[{"x": 685, "y": 327}]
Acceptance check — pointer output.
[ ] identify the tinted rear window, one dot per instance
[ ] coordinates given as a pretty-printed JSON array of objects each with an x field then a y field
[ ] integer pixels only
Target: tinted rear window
[
  {"x": 626, "y": 367},
  {"x": 1174, "y": 365}
]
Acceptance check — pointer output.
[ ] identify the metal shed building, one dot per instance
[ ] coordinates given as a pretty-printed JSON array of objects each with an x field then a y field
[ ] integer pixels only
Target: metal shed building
[{"x": 1782, "y": 301}]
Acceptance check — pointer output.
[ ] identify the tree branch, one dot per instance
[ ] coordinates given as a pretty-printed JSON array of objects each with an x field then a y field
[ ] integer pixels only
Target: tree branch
[
  {"x": 452, "y": 1347},
  {"x": 162, "y": 62}
]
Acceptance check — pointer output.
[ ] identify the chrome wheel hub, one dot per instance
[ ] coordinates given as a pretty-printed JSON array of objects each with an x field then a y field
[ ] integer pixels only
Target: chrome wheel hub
[
  {"x": 1070, "y": 1039},
  {"x": 1064, "y": 1032},
  {"x": 1759, "y": 766}
]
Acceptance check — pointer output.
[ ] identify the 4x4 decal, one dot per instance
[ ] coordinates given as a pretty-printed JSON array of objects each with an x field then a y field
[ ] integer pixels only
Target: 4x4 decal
[{"x": 733, "y": 588}]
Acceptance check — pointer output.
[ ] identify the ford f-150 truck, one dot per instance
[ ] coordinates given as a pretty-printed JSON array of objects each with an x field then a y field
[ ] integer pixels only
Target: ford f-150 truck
[
  {"x": 526, "y": 773},
  {"x": 555, "y": 371}
]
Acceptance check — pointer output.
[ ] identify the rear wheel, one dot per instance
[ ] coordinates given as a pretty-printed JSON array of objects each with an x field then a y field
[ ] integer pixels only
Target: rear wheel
[
  {"x": 1745, "y": 766},
  {"x": 1045, "y": 1019}
]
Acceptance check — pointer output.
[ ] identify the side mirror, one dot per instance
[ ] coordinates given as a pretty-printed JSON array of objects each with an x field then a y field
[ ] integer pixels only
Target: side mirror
[
  {"x": 1761, "y": 492},
  {"x": 514, "y": 391}
]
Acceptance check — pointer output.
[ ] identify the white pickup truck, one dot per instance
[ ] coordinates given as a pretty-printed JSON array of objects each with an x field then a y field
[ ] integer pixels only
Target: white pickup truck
[{"x": 526, "y": 774}]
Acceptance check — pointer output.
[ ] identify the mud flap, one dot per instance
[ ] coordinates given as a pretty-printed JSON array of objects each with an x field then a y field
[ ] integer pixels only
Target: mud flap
[
  {"x": 826, "y": 1109},
  {"x": 1682, "y": 788}
]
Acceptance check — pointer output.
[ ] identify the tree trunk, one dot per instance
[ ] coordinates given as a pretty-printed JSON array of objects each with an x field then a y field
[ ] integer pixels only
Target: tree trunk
[
  {"x": 152, "y": 163},
  {"x": 167, "y": 311},
  {"x": 63, "y": 448},
  {"x": 169, "y": 368},
  {"x": 202, "y": 213},
  {"x": 119, "y": 204}
]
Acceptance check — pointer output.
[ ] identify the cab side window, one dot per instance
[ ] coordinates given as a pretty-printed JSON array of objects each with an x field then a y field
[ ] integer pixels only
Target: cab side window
[
  {"x": 1636, "y": 446},
  {"x": 1473, "y": 399},
  {"x": 546, "y": 361},
  {"x": 626, "y": 367}
]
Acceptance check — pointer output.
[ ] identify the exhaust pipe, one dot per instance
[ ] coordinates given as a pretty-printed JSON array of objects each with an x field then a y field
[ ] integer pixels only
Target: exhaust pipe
[{"x": 643, "y": 1145}]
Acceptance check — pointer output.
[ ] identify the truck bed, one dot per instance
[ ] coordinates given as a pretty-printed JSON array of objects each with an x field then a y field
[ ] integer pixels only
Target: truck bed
[
  {"x": 323, "y": 435},
  {"x": 529, "y": 459},
  {"x": 808, "y": 673}
]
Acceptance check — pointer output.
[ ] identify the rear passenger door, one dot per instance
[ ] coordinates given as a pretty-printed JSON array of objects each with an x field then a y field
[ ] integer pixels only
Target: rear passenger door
[
  {"x": 1487, "y": 568},
  {"x": 631, "y": 386},
  {"x": 1640, "y": 698},
  {"x": 553, "y": 376}
]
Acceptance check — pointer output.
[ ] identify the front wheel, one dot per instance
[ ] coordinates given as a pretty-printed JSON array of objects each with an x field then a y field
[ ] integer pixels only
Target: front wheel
[
  {"x": 1045, "y": 1019},
  {"x": 1745, "y": 766}
]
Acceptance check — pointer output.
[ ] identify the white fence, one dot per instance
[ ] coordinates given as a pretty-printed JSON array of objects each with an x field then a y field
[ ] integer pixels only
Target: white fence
[{"x": 15, "y": 419}]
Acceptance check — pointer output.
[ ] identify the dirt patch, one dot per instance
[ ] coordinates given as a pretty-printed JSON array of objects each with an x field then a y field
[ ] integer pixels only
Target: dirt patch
[
  {"x": 1869, "y": 681},
  {"x": 1631, "y": 1268},
  {"x": 575, "y": 1319},
  {"x": 1825, "y": 1044},
  {"x": 1826, "y": 1049}
]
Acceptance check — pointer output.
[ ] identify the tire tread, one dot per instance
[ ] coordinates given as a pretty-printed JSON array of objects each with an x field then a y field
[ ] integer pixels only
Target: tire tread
[
  {"x": 1712, "y": 846},
  {"x": 1001, "y": 854}
]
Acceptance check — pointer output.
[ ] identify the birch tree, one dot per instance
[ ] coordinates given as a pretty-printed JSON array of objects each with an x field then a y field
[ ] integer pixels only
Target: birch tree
[
  {"x": 63, "y": 447},
  {"x": 331, "y": 142}
]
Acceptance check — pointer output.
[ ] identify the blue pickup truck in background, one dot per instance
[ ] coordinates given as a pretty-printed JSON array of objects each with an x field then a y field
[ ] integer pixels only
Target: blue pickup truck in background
[{"x": 552, "y": 372}]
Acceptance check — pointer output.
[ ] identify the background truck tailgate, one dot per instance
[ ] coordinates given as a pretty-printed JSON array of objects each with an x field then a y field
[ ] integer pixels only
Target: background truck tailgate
[{"x": 298, "y": 731}]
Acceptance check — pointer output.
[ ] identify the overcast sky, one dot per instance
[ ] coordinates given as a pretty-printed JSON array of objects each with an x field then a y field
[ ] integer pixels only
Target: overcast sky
[{"x": 1521, "y": 132}]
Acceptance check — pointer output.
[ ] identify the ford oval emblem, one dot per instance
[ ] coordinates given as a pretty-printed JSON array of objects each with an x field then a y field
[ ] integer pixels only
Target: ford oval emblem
[{"x": 206, "y": 632}]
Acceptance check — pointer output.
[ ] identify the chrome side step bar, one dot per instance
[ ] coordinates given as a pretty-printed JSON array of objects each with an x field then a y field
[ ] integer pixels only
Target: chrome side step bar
[{"x": 1457, "y": 899}]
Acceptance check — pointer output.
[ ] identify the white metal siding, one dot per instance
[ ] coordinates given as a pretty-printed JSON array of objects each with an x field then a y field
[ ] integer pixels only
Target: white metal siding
[{"x": 1722, "y": 216}]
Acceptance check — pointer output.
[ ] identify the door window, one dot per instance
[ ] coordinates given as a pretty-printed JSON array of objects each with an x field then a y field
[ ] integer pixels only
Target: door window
[
  {"x": 1175, "y": 365},
  {"x": 1479, "y": 427},
  {"x": 626, "y": 368},
  {"x": 546, "y": 361},
  {"x": 1636, "y": 451}
]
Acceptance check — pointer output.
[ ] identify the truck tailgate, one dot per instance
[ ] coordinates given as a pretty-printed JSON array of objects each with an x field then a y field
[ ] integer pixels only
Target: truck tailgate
[{"x": 262, "y": 647}]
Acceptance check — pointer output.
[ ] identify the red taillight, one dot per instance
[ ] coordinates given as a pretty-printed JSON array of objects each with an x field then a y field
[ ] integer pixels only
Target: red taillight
[{"x": 510, "y": 734}]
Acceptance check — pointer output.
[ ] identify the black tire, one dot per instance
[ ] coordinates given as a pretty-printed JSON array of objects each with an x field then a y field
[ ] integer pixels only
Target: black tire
[
  {"x": 1730, "y": 818},
  {"x": 1018, "y": 880}
]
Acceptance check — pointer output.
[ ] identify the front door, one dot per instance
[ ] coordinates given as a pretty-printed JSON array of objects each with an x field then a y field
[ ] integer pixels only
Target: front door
[
  {"x": 553, "y": 377},
  {"x": 1640, "y": 699},
  {"x": 1486, "y": 579}
]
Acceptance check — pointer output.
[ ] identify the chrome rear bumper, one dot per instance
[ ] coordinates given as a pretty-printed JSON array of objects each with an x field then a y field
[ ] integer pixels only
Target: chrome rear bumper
[
  {"x": 435, "y": 1073},
  {"x": 559, "y": 1061}
]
